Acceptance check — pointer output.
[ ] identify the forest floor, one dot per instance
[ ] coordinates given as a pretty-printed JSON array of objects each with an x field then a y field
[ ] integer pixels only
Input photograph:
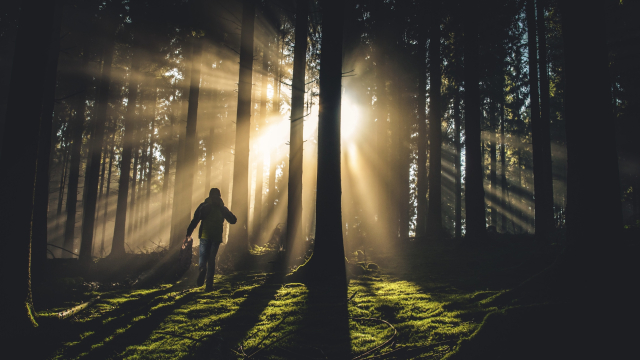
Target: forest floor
[{"x": 418, "y": 302}]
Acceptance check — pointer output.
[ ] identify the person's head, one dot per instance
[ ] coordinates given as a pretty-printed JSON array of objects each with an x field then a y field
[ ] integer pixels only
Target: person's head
[{"x": 214, "y": 193}]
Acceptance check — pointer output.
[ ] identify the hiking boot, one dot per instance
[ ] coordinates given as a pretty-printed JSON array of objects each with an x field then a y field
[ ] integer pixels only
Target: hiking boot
[
  {"x": 208, "y": 287},
  {"x": 201, "y": 275}
]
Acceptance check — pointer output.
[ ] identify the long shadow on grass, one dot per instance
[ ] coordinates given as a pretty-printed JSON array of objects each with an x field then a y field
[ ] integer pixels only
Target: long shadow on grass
[
  {"x": 122, "y": 318},
  {"x": 236, "y": 327},
  {"x": 324, "y": 330}
]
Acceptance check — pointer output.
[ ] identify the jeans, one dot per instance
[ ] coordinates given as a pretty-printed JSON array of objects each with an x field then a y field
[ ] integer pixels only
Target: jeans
[{"x": 208, "y": 252}]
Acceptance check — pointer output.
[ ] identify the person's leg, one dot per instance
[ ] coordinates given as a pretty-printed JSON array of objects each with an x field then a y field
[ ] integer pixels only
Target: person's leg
[
  {"x": 205, "y": 249},
  {"x": 211, "y": 267}
]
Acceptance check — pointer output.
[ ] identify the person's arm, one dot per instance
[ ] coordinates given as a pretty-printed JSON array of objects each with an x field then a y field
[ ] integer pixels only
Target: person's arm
[
  {"x": 194, "y": 221},
  {"x": 228, "y": 215}
]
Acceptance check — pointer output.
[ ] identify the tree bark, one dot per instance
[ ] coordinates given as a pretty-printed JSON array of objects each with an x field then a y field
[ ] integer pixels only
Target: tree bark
[
  {"x": 541, "y": 139},
  {"x": 294, "y": 209},
  {"x": 238, "y": 234},
  {"x": 422, "y": 181},
  {"x": 95, "y": 150},
  {"x": 493, "y": 153},
  {"x": 434, "y": 218},
  {"x": 328, "y": 253},
  {"x": 474, "y": 190},
  {"x": 77, "y": 128},
  {"x": 117, "y": 246},
  {"x": 41, "y": 196},
  {"x": 257, "y": 207},
  {"x": 587, "y": 82},
  {"x": 458, "y": 160},
  {"x": 20, "y": 137}
]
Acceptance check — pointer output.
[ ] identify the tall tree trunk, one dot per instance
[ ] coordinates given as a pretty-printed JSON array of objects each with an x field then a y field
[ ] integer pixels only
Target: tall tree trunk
[
  {"x": 238, "y": 235},
  {"x": 474, "y": 190},
  {"x": 542, "y": 183},
  {"x": 434, "y": 218},
  {"x": 544, "y": 134},
  {"x": 587, "y": 82},
  {"x": 63, "y": 177},
  {"x": 328, "y": 253},
  {"x": 503, "y": 166},
  {"x": 77, "y": 128},
  {"x": 152, "y": 143},
  {"x": 95, "y": 149},
  {"x": 41, "y": 196},
  {"x": 422, "y": 181},
  {"x": 21, "y": 128},
  {"x": 294, "y": 208},
  {"x": 101, "y": 186},
  {"x": 493, "y": 163},
  {"x": 106, "y": 198},
  {"x": 177, "y": 207},
  {"x": 117, "y": 247},
  {"x": 458, "y": 165},
  {"x": 257, "y": 207}
]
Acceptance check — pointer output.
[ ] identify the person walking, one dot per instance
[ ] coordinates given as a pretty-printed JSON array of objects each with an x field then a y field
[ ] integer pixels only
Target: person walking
[{"x": 212, "y": 213}]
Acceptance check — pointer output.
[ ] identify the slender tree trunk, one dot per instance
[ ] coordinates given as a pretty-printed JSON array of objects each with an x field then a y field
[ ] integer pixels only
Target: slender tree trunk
[
  {"x": 294, "y": 208},
  {"x": 77, "y": 128},
  {"x": 474, "y": 189},
  {"x": 21, "y": 130},
  {"x": 63, "y": 177},
  {"x": 152, "y": 144},
  {"x": 101, "y": 187},
  {"x": 238, "y": 235},
  {"x": 545, "y": 198},
  {"x": 493, "y": 178},
  {"x": 434, "y": 218},
  {"x": 106, "y": 199},
  {"x": 95, "y": 149},
  {"x": 458, "y": 160},
  {"x": 543, "y": 188},
  {"x": 257, "y": 207},
  {"x": 422, "y": 181},
  {"x": 503, "y": 166},
  {"x": 117, "y": 247}
]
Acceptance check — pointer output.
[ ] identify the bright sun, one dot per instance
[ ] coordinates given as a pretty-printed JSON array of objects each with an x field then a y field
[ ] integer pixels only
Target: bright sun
[{"x": 350, "y": 116}]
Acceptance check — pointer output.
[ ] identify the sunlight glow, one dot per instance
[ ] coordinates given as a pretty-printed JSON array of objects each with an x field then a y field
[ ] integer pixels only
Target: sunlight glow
[{"x": 349, "y": 118}]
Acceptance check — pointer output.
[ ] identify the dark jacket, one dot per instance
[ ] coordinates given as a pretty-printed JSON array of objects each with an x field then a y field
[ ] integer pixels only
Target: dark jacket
[{"x": 203, "y": 211}]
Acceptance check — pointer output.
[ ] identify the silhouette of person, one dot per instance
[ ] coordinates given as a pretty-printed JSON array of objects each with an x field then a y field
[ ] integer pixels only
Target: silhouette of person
[{"x": 212, "y": 213}]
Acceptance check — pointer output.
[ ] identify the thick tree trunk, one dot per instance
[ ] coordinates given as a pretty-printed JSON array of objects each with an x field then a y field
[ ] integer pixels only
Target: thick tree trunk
[
  {"x": 117, "y": 247},
  {"x": 434, "y": 218},
  {"x": 41, "y": 196},
  {"x": 238, "y": 235},
  {"x": 474, "y": 190},
  {"x": 294, "y": 209},
  {"x": 587, "y": 82},
  {"x": 177, "y": 213},
  {"x": 190, "y": 160},
  {"x": 21, "y": 128},
  {"x": 328, "y": 255},
  {"x": 542, "y": 183}
]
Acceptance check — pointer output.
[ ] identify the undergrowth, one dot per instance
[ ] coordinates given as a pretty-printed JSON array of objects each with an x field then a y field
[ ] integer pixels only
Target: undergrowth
[{"x": 422, "y": 301}]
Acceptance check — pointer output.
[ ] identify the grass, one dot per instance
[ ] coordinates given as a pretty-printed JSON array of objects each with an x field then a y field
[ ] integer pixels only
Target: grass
[{"x": 424, "y": 299}]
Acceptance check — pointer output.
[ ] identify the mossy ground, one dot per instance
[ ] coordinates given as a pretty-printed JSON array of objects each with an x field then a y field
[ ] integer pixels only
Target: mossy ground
[{"x": 425, "y": 297}]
